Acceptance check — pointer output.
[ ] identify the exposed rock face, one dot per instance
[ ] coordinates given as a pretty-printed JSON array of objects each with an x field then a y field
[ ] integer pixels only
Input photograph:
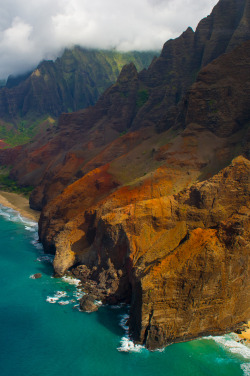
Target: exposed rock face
[
  {"x": 87, "y": 303},
  {"x": 169, "y": 76},
  {"x": 74, "y": 81},
  {"x": 183, "y": 259},
  {"x": 216, "y": 100},
  {"x": 131, "y": 195},
  {"x": 149, "y": 99},
  {"x": 200, "y": 283}
]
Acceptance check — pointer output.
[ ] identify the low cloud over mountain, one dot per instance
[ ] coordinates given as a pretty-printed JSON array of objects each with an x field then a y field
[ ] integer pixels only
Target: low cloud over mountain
[{"x": 30, "y": 32}]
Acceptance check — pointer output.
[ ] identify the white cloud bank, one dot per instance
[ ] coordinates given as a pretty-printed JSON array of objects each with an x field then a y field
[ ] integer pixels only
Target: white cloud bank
[{"x": 34, "y": 30}]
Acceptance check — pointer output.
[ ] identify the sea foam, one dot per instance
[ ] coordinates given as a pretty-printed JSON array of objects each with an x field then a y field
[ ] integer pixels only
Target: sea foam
[
  {"x": 126, "y": 344},
  {"x": 71, "y": 280},
  {"x": 246, "y": 369},
  {"x": 56, "y": 297},
  {"x": 14, "y": 216},
  {"x": 230, "y": 343},
  {"x": 78, "y": 294}
]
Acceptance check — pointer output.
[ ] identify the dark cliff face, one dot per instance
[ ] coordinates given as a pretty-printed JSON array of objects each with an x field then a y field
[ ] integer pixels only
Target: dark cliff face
[
  {"x": 72, "y": 82},
  {"x": 142, "y": 230},
  {"x": 152, "y": 98},
  {"x": 181, "y": 59},
  {"x": 131, "y": 193},
  {"x": 219, "y": 98}
]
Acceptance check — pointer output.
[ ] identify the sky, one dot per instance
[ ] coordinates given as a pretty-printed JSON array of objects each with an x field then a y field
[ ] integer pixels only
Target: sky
[{"x": 31, "y": 31}]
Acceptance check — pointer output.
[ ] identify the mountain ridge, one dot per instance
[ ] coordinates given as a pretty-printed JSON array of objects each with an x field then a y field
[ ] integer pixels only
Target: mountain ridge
[
  {"x": 145, "y": 196},
  {"x": 71, "y": 82}
]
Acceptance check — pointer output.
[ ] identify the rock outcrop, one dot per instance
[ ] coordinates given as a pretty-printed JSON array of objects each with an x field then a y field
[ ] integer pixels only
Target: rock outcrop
[
  {"x": 183, "y": 259},
  {"x": 135, "y": 194},
  {"x": 150, "y": 99}
]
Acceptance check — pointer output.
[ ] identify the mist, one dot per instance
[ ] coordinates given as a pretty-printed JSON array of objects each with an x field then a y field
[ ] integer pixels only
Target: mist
[{"x": 33, "y": 31}]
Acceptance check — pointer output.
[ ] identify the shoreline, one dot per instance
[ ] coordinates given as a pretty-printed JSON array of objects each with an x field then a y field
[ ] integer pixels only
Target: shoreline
[
  {"x": 245, "y": 334},
  {"x": 19, "y": 203}
]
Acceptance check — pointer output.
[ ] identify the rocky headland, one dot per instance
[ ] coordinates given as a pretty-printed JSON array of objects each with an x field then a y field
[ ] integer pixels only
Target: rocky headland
[{"x": 145, "y": 196}]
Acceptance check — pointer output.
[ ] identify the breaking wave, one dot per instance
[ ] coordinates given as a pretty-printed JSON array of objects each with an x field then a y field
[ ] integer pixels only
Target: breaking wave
[
  {"x": 230, "y": 343},
  {"x": 71, "y": 280},
  {"x": 126, "y": 344},
  {"x": 246, "y": 369},
  {"x": 14, "y": 216}
]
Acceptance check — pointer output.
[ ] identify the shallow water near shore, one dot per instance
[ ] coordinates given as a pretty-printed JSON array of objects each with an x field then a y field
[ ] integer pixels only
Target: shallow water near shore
[{"x": 42, "y": 332}]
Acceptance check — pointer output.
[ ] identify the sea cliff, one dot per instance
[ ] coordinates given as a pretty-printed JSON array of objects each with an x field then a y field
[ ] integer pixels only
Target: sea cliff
[{"x": 145, "y": 196}]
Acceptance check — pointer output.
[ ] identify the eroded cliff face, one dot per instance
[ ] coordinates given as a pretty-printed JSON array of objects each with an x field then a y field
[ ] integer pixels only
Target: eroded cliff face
[
  {"x": 201, "y": 284},
  {"x": 181, "y": 260},
  {"x": 74, "y": 81},
  {"x": 148, "y": 233},
  {"x": 152, "y": 98},
  {"x": 136, "y": 200}
]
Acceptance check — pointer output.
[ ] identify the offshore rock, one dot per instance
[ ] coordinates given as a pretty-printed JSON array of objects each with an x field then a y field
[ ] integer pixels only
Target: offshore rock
[
  {"x": 36, "y": 276},
  {"x": 130, "y": 192},
  {"x": 87, "y": 304}
]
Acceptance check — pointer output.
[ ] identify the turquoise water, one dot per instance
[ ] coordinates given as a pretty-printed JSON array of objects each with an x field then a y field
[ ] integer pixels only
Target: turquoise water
[{"x": 42, "y": 332}]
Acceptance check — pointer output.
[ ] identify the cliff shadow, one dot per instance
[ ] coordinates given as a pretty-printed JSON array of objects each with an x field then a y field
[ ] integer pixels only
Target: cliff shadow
[{"x": 112, "y": 317}]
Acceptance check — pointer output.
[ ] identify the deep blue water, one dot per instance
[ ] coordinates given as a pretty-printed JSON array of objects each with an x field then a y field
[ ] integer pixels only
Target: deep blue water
[{"x": 39, "y": 336}]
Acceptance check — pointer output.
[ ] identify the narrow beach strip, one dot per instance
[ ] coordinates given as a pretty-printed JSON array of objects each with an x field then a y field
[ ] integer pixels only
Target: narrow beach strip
[
  {"x": 245, "y": 334},
  {"x": 19, "y": 203}
]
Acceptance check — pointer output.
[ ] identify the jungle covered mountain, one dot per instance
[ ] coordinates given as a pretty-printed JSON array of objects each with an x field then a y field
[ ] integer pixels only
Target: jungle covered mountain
[
  {"x": 145, "y": 195},
  {"x": 34, "y": 100}
]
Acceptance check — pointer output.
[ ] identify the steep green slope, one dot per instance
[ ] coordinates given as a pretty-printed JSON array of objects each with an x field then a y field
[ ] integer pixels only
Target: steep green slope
[{"x": 74, "y": 81}]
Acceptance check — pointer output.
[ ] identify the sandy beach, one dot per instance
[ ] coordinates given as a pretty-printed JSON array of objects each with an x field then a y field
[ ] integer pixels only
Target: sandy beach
[
  {"x": 245, "y": 334},
  {"x": 19, "y": 203}
]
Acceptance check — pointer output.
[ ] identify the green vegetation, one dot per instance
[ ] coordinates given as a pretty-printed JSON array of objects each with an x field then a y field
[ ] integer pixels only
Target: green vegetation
[
  {"x": 123, "y": 133},
  {"x": 23, "y": 132},
  {"x": 10, "y": 185},
  {"x": 212, "y": 106},
  {"x": 142, "y": 97},
  {"x": 72, "y": 82}
]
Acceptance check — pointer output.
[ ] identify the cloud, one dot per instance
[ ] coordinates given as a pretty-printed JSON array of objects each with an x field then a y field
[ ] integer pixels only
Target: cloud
[{"x": 32, "y": 31}]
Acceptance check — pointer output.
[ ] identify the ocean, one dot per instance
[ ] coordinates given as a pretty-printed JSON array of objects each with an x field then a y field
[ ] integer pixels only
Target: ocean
[{"x": 43, "y": 333}]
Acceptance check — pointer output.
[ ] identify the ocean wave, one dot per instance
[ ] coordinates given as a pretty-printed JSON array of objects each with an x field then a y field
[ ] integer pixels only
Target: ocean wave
[
  {"x": 56, "y": 297},
  {"x": 119, "y": 306},
  {"x": 45, "y": 258},
  {"x": 246, "y": 369},
  {"x": 64, "y": 302},
  {"x": 51, "y": 299},
  {"x": 31, "y": 229},
  {"x": 14, "y": 216},
  {"x": 126, "y": 344},
  {"x": 78, "y": 294},
  {"x": 230, "y": 343},
  {"x": 124, "y": 322},
  {"x": 36, "y": 243},
  {"x": 71, "y": 280}
]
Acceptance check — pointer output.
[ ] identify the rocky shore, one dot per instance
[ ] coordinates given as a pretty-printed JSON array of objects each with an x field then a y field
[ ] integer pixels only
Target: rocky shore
[
  {"x": 145, "y": 196},
  {"x": 244, "y": 333}
]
